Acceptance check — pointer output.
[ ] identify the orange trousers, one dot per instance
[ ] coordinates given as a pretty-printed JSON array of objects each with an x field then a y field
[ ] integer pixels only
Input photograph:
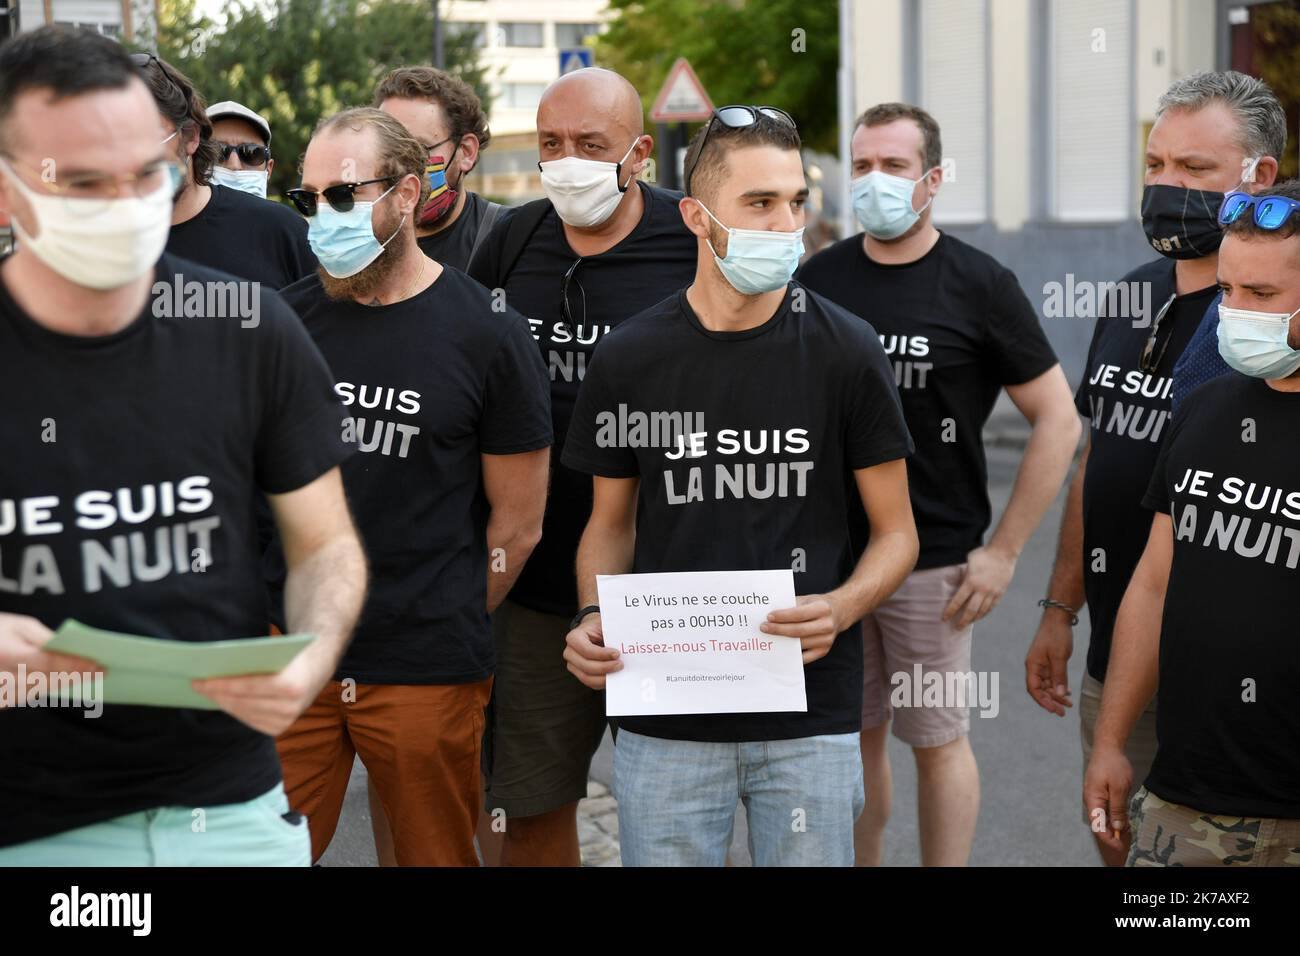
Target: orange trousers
[{"x": 419, "y": 743}]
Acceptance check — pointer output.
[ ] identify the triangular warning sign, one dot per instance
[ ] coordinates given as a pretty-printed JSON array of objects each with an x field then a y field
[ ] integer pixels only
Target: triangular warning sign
[{"x": 682, "y": 98}]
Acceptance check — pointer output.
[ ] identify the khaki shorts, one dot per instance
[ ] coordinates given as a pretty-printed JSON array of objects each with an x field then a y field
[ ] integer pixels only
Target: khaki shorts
[
  {"x": 1169, "y": 834},
  {"x": 902, "y": 633},
  {"x": 1141, "y": 746}
]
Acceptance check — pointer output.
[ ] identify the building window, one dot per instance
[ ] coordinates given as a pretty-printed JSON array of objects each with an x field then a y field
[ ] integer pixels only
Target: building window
[
  {"x": 107, "y": 29},
  {"x": 568, "y": 35},
  {"x": 521, "y": 96},
  {"x": 953, "y": 80},
  {"x": 1091, "y": 145},
  {"x": 520, "y": 34}
]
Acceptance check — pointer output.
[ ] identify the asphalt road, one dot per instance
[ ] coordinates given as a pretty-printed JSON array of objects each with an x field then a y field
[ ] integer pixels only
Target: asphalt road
[{"x": 1030, "y": 764}]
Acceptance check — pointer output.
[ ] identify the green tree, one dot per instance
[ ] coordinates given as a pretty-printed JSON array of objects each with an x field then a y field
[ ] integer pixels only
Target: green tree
[
  {"x": 781, "y": 53},
  {"x": 297, "y": 61}
]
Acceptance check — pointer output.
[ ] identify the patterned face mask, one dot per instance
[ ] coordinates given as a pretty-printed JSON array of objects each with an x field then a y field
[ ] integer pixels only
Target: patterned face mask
[{"x": 442, "y": 196}]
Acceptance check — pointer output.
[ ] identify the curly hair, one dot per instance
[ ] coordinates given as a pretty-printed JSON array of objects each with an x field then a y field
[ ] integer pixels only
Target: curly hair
[
  {"x": 183, "y": 105},
  {"x": 456, "y": 97}
]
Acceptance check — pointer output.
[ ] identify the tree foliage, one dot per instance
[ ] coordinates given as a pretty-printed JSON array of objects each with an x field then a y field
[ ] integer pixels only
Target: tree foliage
[
  {"x": 744, "y": 51},
  {"x": 298, "y": 61}
]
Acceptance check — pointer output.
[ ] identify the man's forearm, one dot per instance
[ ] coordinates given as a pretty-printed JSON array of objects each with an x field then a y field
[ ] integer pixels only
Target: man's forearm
[
  {"x": 323, "y": 595},
  {"x": 511, "y": 537},
  {"x": 1043, "y": 468},
  {"x": 889, "y": 558},
  {"x": 603, "y": 550},
  {"x": 1066, "y": 583}
]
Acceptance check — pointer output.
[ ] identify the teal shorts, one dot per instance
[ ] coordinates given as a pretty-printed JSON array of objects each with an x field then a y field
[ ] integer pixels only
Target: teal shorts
[{"x": 232, "y": 834}]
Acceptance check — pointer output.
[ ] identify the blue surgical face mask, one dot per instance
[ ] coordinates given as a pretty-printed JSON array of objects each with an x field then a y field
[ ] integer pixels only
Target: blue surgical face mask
[
  {"x": 758, "y": 260},
  {"x": 1255, "y": 343},
  {"x": 883, "y": 203},
  {"x": 345, "y": 242}
]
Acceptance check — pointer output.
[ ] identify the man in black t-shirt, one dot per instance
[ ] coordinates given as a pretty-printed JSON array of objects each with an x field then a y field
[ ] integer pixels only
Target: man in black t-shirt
[
  {"x": 602, "y": 247},
  {"x": 958, "y": 330},
  {"x": 794, "y": 393},
  {"x": 450, "y": 414},
  {"x": 1207, "y": 614},
  {"x": 1212, "y": 131},
  {"x": 217, "y": 226},
  {"x": 445, "y": 115},
  {"x": 127, "y": 483}
]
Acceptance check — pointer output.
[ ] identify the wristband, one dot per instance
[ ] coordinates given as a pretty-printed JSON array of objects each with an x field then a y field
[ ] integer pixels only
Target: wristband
[
  {"x": 1048, "y": 602},
  {"x": 577, "y": 618}
]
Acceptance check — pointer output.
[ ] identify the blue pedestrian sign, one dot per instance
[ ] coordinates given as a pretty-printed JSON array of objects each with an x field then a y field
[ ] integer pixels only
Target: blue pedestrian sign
[{"x": 575, "y": 58}]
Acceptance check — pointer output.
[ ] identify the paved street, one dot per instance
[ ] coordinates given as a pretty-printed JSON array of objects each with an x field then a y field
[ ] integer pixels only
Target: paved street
[{"x": 1029, "y": 760}]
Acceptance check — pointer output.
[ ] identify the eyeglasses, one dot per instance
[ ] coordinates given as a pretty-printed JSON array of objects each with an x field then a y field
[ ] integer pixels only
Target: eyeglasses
[
  {"x": 250, "y": 154},
  {"x": 565, "y": 312},
  {"x": 429, "y": 149},
  {"x": 1271, "y": 212},
  {"x": 341, "y": 197},
  {"x": 142, "y": 61},
  {"x": 735, "y": 117},
  {"x": 1150, "y": 360},
  {"x": 88, "y": 194}
]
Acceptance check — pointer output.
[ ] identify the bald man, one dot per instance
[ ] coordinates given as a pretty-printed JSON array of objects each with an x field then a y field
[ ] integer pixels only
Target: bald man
[{"x": 612, "y": 246}]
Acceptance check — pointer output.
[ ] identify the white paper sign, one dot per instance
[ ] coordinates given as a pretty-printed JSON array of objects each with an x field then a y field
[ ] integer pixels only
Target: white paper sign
[{"x": 690, "y": 644}]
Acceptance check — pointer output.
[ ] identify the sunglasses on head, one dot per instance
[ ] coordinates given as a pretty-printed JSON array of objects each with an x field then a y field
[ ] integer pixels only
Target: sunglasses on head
[
  {"x": 341, "y": 197},
  {"x": 735, "y": 117},
  {"x": 250, "y": 154},
  {"x": 1271, "y": 212}
]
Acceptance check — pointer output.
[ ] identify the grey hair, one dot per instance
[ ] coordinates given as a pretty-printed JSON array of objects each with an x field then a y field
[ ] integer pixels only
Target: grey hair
[{"x": 1262, "y": 120}]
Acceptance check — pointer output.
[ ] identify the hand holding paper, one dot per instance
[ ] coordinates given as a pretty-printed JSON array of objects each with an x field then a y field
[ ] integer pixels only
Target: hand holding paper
[
  {"x": 812, "y": 620},
  {"x": 166, "y": 673}
]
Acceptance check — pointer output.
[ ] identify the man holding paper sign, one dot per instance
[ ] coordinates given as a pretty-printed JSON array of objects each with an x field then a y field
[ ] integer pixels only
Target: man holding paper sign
[
  {"x": 134, "y": 443},
  {"x": 773, "y": 395}
]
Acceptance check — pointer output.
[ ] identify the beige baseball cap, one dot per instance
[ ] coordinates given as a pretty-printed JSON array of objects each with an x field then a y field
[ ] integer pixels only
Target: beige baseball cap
[{"x": 231, "y": 108}]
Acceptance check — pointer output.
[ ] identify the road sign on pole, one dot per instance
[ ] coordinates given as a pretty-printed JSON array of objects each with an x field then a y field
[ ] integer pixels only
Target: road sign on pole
[
  {"x": 575, "y": 58},
  {"x": 682, "y": 98}
]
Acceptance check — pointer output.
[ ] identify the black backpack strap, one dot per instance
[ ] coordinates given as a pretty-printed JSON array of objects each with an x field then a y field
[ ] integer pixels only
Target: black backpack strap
[
  {"x": 484, "y": 227},
  {"x": 519, "y": 230}
]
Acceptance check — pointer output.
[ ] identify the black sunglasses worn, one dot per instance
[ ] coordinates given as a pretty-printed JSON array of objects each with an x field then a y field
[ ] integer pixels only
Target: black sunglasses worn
[
  {"x": 250, "y": 154},
  {"x": 735, "y": 117},
  {"x": 341, "y": 197}
]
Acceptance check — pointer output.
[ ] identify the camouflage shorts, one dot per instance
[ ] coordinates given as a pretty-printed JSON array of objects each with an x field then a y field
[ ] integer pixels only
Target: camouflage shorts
[{"x": 1169, "y": 834}]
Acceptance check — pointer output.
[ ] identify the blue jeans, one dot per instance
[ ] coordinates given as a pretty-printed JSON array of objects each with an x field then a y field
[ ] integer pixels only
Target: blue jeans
[
  {"x": 677, "y": 799},
  {"x": 232, "y": 834}
]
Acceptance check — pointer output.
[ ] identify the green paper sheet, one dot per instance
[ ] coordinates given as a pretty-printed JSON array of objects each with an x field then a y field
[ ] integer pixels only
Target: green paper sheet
[{"x": 157, "y": 672}]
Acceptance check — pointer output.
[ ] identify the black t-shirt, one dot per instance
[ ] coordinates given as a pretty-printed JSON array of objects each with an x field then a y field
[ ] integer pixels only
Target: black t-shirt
[
  {"x": 957, "y": 328},
  {"x": 141, "y": 449},
  {"x": 430, "y": 384},
  {"x": 1228, "y": 724},
  {"x": 655, "y": 260},
  {"x": 247, "y": 236},
  {"x": 453, "y": 245},
  {"x": 788, "y": 407},
  {"x": 1130, "y": 412}
]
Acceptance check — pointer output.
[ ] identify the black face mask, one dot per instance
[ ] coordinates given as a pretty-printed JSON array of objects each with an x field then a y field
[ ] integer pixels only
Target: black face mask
[{"x": 1182, "y": 223}]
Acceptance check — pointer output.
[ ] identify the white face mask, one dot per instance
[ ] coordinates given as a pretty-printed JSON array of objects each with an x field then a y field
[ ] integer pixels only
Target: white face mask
[
  {"x": 1256, "y": 343},
  {"x": 251, "y": 181},
  {"x": 97, "y": 243},
  {"x": 585, "y": 192}
]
